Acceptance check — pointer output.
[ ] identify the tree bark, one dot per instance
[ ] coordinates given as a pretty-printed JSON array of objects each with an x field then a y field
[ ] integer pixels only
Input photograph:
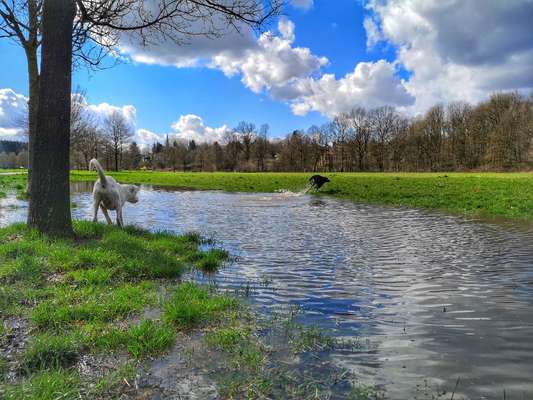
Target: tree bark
[
  {"x": 31, "y": 47},
  {"x": 33, "y": 105},
  {"x": 50, "y": 193}
]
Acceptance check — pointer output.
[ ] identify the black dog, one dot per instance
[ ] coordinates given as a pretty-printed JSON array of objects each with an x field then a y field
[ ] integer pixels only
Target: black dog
[{"x": 317, "y": 181}]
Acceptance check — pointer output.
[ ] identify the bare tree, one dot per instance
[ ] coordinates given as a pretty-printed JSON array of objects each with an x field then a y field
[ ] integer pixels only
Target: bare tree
[
  {"x": 85, "y": 135},
  {"x": 246, "y": 132},
  {"x": 261, "y": 146},
  {"x": 340, "y": 130},
  {"x": 117, "y": 131},
  {"x": 233, "y": 150},
  {"x": 361, "y": 133},
  {"x": 383, "y": 125}
]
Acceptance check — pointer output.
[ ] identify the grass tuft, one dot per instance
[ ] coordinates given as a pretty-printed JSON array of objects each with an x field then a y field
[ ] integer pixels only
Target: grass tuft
[
  {"x": 192, "y": 305},
  {"x": 150, "y": 338},
  {"x": 50, "y": 352},
  {"x": 212, "y": 260},
  {"x": 45, "y": 385}
]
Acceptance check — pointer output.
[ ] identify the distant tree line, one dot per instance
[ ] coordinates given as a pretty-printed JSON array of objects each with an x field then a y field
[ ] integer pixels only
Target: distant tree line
[
  {"x": 496, "y": 134},
  {"x": 13, "y": 154}
]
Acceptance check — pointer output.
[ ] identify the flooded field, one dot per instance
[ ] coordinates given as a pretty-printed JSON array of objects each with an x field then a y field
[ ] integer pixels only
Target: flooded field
[{"x": 435, "y": 300}]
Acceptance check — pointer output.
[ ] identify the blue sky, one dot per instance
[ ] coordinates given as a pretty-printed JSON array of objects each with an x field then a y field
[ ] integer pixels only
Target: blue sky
[{"x": 401, "y": 53}]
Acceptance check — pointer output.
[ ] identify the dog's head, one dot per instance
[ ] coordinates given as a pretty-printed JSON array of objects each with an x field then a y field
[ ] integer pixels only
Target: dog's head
[{"x": 132, "y": 193}]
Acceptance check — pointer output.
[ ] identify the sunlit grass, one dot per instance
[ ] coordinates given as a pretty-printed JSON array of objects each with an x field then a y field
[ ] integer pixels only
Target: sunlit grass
[
  {"x": 191, "y": 304},
  {"x": 45, "y": 385}
]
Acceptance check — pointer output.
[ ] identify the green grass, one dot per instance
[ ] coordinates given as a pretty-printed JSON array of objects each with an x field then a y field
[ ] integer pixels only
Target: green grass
[
  {"x": 150, "y": 338},
  {"x": 506, "y": 195},
  {"x": 191, "y": 305},
  {"x": 45, "y": 385},
  {"x": 50, "y": 352},
  {"x": 88, "y": 294}
]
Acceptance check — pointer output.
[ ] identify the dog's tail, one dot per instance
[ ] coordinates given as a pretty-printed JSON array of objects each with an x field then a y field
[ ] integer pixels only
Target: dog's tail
[{"x": 96, "y": 165}]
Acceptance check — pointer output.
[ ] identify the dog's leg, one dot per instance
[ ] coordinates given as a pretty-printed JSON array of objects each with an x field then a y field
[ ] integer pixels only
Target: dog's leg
[
  {"x": 120, "y": 221},
  {"x": 96, "y": 204},
  {"x": 106, "y": 214}
]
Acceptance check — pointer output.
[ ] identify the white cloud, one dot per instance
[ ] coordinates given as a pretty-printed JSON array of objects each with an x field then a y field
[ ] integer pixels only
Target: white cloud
[
  {"x": 273, "y": 62},
  {"x": 303, "y": 4},
  {"x": 373, "y": 34},
  {"x": 13, "y": 108},
  {"x": 369, "y": 85},
  {"x": 145, "y": 138},
  {"x": 103, "y": 110},
  {"x": 14, "y": 134},
  {"x": 192, "y": 127},
  {"x": 457, "y": 50}
]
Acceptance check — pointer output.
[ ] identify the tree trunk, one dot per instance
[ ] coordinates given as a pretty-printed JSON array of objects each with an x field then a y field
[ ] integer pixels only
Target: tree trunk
[
  {"x": 31, "y": 48},
  {"x": 33, "y": 104},
  {"x": 116, "y": 159},
  {"x": 50, "y": 194}
]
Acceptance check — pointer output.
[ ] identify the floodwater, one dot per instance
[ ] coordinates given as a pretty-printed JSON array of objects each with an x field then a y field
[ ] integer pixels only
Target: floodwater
[{"x": 439, "y": 300}]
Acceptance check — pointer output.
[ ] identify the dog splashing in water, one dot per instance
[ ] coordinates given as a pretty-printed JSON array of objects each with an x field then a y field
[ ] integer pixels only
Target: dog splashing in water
[
  {"x": 317, "y": 181},
  {"x": 108, "y": 194}
]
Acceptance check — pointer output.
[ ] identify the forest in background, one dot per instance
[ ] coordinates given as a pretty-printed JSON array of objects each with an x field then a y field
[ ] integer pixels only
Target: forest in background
[{"x": 496, "y": 134}]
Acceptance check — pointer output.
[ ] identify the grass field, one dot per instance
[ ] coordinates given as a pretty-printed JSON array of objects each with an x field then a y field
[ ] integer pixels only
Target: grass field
[{"x": 508, "y": 195}]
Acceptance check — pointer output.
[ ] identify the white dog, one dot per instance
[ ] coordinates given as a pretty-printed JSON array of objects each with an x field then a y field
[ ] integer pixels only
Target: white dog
[{"x": 108, "y": 194}]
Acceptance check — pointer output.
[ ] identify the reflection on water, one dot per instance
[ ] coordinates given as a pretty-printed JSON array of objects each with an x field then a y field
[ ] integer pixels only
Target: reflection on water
[{"x": 438, "y": 297}]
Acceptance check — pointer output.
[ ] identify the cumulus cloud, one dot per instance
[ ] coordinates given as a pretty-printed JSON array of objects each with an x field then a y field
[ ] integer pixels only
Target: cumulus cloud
[
  {"x": 457, "y": 50},
  {"x": 186, "y": 128},
  {"x": 370, "y": 85},
  {"x": 273, "y": 62},
  {"x": 303, "y": 4},
  {"x": 191, "y": 127},
  {"x": 145, "y": 138},
  {"x": 103, "y": 110},
  {"x": 13, "y": 109}
]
